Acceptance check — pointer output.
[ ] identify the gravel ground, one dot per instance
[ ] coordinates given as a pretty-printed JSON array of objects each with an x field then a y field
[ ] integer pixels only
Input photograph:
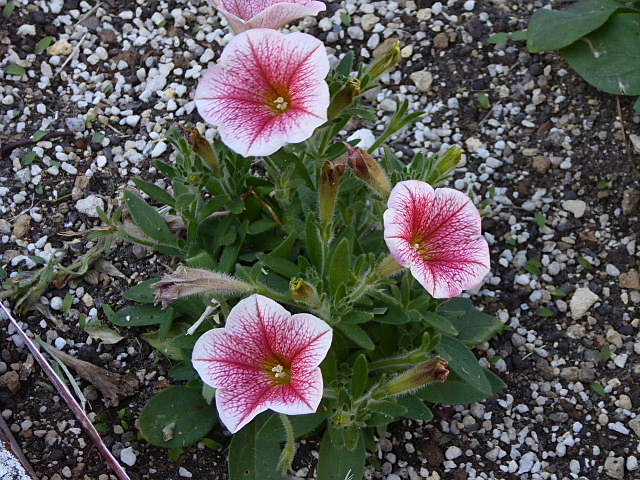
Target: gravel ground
[{"x": 550, "y": 161}]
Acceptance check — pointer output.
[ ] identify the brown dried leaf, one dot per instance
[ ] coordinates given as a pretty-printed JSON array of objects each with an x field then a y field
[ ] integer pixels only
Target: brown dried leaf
[
  {"x": 106, "y": 267},
  {"x": 11, "y": 381},
  {"x": 113, "y": 386}
]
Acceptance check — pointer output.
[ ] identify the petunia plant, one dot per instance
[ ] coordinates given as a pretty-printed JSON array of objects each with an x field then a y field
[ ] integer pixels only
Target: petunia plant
[{"x": 319, "y": 281}]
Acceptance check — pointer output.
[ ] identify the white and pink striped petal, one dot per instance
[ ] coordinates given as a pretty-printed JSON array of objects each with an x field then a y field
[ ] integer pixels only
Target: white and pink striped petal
[
  {"x": 437, "y": 235},
  {"x": 244, "y": 15},
  {"x": 263, "y": 359},
  {"x": 267, "y": 90}
]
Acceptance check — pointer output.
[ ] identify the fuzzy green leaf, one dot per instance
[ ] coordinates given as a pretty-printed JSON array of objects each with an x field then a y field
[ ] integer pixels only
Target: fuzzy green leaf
[
  {"x": 337, "y": 463},
  {"x": 176, "y": 417},
  {"x": 608, "y": 58},
  {"x": 464, "y": 363},
  {"x": 148, "y": 219}
]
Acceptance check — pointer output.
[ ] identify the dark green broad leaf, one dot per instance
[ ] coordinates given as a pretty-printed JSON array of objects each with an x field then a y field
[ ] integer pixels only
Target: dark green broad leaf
[
  {"x": 390, "y": 409},
  {"x": 148, "y": 219},
  {"x": 609, "y": 58},
  {"x": 464, "y": 363},
  {"x": 177, "y": 417},
  {"x": 183, "y": 371},
  {"x": 357, "y": 317},
  {"x": 474, "y": 326},
  {"x": 142, "y": 292},
  {"x": 254, "y": 453},
  {"x": 636, "y": 105},
  {"x": 416, "y": 408},
  {"x": 142, "y": 316},
  {"x": 556, "y": 29},
  {"x": 280, "y": 265},
  {"x": 357, "y": 335},
  {"x": 14, "y": 70},
  {"x": 440, "y": 323},
  {"x": 154, "y": 191},
  {"x": 337, "y": 463},
  {"x": 302, "y": 425},
  {"x": 457, "y": 392},
  {"x": 315, "y": 245}
]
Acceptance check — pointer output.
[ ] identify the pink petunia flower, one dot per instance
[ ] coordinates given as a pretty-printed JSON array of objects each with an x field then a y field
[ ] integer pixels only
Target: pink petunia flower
[
  {"x": 437, "y": 235},
  {"x": 264, "y": 358},
  {"x": 267, "y": 90},
  {"x": 247, "y": 14}
]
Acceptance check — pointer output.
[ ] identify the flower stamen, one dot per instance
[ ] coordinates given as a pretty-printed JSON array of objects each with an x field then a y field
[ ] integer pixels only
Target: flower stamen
[{"x": 279, "y": 371}]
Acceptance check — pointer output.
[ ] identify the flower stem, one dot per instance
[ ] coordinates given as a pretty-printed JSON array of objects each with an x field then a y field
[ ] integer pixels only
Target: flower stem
[{"x": 289, "y": 450}]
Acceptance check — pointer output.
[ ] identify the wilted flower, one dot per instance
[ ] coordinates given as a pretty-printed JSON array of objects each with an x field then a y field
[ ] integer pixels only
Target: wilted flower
[
  {"x": 185, "y": 282},
  {"x": 247, "y": 14},
  {"x": 417, "y": 377},
  {"x": 332, "y": 172},
  {"x": 264, "y": 358},
  {"x": 436, "y": 234},
  {"x": 368, "y": 169},
  {"x": 267, "y": 90}
]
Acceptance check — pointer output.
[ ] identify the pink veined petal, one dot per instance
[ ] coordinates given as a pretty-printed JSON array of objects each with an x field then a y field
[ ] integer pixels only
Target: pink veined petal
[
  {"x": 244, "y": 15},
  {"x": 255, "y": 66},
  {"x": 220, "y": 357},
  {"x": 236, "y": 360},
  {"x": 249, "y": 397},
  {"x": 437, "y": 235},
  {"x": 301, "y": 396}
]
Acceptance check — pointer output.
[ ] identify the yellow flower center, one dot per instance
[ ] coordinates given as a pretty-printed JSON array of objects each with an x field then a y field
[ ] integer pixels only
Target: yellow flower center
[
  {"x": 279, "y": 101},
  {"x": 278, "y": 371}
]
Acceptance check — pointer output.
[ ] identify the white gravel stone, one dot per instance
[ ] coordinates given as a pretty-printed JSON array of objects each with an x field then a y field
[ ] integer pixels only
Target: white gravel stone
[
  {"x": 183, "y": 472},
  {"x": 159, "y": 149},
  {"x": 89, "y": 205},
  {"x": 469, "y": 5},
  {"x": 56, "y": 303},
  {"x": 577, "y": 207},
  {"x": 581, "y": 302},
  {"x": 26, "y": 30},
  {"x": 614, "y": 466},
  {"x": 422, "y": 79},
  {"x": 56, "y": 6},
  {"x": 452, "y": 452},
  {"x": 60, "y": 343},
  {"x": 632, "y": 463},
  {"x": 366, "y": 137},
  {"x": 127, "y": 456}
]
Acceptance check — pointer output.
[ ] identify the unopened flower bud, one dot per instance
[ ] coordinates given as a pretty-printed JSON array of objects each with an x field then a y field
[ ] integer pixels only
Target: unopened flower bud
[
  {"x": 344, "y": 98},
  {"x": 417, "y": 377},
  {"x": 186, "y": 281},
  {"x": 386, "y": 62},
  {"x": 332, "y": 172},
  {"x": 302, "y": 291},
  {"x": 368, "y": 169},
  {"x": 203, "y": 148}
]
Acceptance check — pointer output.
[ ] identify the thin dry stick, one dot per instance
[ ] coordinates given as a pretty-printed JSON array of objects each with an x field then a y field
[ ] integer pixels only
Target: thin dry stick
[{"x": 71, "y": 401}]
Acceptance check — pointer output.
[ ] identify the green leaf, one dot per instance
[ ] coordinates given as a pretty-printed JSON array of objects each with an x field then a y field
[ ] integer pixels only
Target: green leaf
[
  {"x": 457, "y": 392},
  {"x": 43, "y": 44},
  {"x": 183, "y": 371},
  {"x": 636, "y": 105},
  {"x": 279, "y": 265},
  {"x": 357, "y": 335},
  {"x": 608, "y": 58},
  {"x": 440, "y": 323},
  {"x": 499, "y": 38},
  {"x": 464, "y": 363},
  {"x": 556, "y": 29},
  {"x": 346, "y": 64},
  {"x": 176, "y": 417},
  {"x": 339, "y": 265},
  {"x": 15, "y": 70},
  {"x": 142, "y": 316},
  {"x": 315, "y": 245},
  {"x": 390, "y": 409},
  {"x": 39, "y": 135},
  {"x": 360, "y": 376},
  {"x": 142, "y": 292},
  {"x": 253, "y": 454},
  {"x": 340, "y": 463},
  {"x": 415, "y": 408},
  {"x": 155, "y": 192},
  {"x": 474, "y": 326},
  {"x": 148, "y": 219},
  {"x": 8, "y": 9},
  {"x": 28, "y": 158}
]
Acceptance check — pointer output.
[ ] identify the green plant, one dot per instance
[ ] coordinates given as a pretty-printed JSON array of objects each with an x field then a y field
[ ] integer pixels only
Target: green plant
[{"x": 598, "y": 38}]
